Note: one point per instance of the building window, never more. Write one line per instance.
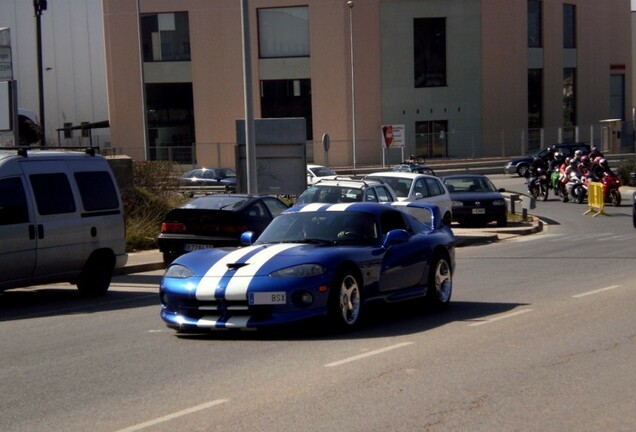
(287, 98)
(429, 45)
(617, 96)
(431, 138)
(569, 26)
(534, 24)
(535, 107)
(165, 37)
(283, 32)
(170, 121)
(569, 104)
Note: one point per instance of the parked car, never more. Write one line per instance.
(215, 221)
(346, 189)
(313, 262)
(409, 186)
(61, 219)
(415, 168)
(209, 177)
(634, 209)
(318, 172)
(521, 165)
(476, 200)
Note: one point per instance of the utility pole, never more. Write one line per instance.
(40, 6)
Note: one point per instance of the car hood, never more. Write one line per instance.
(259, 260)
(522, 159)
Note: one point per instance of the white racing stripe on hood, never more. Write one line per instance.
(237, 286)
(329, 207)
(207, 285)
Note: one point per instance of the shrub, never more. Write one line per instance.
(626, 167)
(154, 195)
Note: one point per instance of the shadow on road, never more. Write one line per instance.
(382, 321)
(62, 300)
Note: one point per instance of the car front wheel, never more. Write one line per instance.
(345, 302)
(440, 283)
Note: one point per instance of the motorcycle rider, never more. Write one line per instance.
(534, 172)
(594, 153)
(599, 169)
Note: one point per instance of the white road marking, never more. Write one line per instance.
(173, 415)
(596, 291)
(499, 317)
(368, 354)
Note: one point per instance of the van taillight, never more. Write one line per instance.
(173, 227)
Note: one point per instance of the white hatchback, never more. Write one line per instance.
(414, 186)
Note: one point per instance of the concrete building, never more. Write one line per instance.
(73, 60)
(456, 78)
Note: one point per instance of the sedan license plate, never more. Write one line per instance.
(189, 247)
(479, 211)
(267, 298)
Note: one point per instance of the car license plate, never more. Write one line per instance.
(189, 247)
(479, 211)
(267, 298)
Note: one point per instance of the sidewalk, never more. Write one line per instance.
(153, 260)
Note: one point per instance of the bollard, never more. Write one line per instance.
(513, 199)
(524, 213)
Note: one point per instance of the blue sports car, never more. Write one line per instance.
(317, 260)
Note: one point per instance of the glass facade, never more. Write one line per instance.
(429, 44)
(165, 37)
(283, 32)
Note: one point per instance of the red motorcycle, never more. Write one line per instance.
(611, 183)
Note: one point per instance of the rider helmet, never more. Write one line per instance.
(578, 154)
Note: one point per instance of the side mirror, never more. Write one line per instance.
(395, 236)
(247, 238)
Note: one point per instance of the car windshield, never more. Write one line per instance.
(401, 186)
(215, 202)
(330, 195)
(322, 171)
(469, 184)
(321, 227)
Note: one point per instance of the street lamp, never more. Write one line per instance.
(353, 84)
(40, 6)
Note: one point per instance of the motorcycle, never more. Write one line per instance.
(577, 189)
(539, 185)
(611, 184)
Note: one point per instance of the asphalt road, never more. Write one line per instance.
(541, 335)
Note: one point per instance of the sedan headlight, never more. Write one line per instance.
(499, 203)
(457, 203)
(178, 271)
(302, 270)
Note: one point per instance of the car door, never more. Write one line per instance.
(58, 225)
(403, 264)
(17, 231)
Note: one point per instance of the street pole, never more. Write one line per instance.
(353, 85)
(40, 6)
(250, 145)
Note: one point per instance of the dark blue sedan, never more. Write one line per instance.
(318, 260)
(475, 200)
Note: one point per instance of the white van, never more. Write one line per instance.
(61, 219)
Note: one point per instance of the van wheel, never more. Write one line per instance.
(96, 275)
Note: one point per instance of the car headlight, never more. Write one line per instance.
(457, 203)
(178, 271)
(499, 203)
(302, 270)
